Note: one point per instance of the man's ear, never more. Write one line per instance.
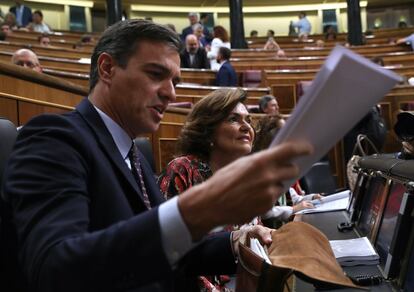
(106, 66)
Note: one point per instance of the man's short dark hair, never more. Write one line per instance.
(264, 100)
(121, 40)
(39, 13)
(225, 53)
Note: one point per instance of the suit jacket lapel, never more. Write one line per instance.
(104, 138)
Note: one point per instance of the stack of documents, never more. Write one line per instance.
(354, 252)
(334, 202)
(343, 91)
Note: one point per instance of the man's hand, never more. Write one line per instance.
(242, 190)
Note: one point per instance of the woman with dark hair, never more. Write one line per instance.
(217, 131)
(221, 39)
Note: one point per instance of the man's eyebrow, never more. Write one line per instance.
(164, 70)
(248, 115)
(157, 66)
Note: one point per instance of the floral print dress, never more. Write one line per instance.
(182, 173)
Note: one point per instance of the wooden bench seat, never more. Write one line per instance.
(28, 83)
(199, 90)
(61, 63)
(44, 51)
(367, 50)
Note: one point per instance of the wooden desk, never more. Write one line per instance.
(326, 223)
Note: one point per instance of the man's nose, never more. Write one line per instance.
(168, 91)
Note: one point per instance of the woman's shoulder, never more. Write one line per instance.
(184, 162)
(184, 159)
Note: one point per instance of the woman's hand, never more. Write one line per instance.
(303, 205)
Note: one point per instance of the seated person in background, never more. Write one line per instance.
(320, 44)
(330, 34)
(266, 129)
(271, 44)
(198, 32)
(371, 125)
(10, 19)
(26, 58)
(280, 54)
(402, 24)
(226, 76)
(217, 131)
(270, 33)
(404, 129)
(38, 25)
(254, 34)
(409, 39)
(378, 60)
(85, 39)
(44, 40)
(193, 56)
(5, 29)
(268, 105)
(86, 210)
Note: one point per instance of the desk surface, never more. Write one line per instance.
(326, 223)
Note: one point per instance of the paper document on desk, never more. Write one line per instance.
(343, 91)
(354, 252)
(334, 202)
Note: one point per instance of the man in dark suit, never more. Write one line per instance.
(86, 209)
(193, 18)
(226, 76)
(193, 56)
(22, 12)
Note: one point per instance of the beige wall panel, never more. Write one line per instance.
(180, 20)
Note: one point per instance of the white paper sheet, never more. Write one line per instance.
(343, 91)
(353, 252)
(258, 249)
(333, 202)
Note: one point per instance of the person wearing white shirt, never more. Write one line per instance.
(221, 39)
(38, 25)
(303, 25)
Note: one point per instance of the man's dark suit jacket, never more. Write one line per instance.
(189, 30)
(80, 220)
(27, 14)
(200, 60)
(226, 76)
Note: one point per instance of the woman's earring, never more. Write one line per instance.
(211, 144)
